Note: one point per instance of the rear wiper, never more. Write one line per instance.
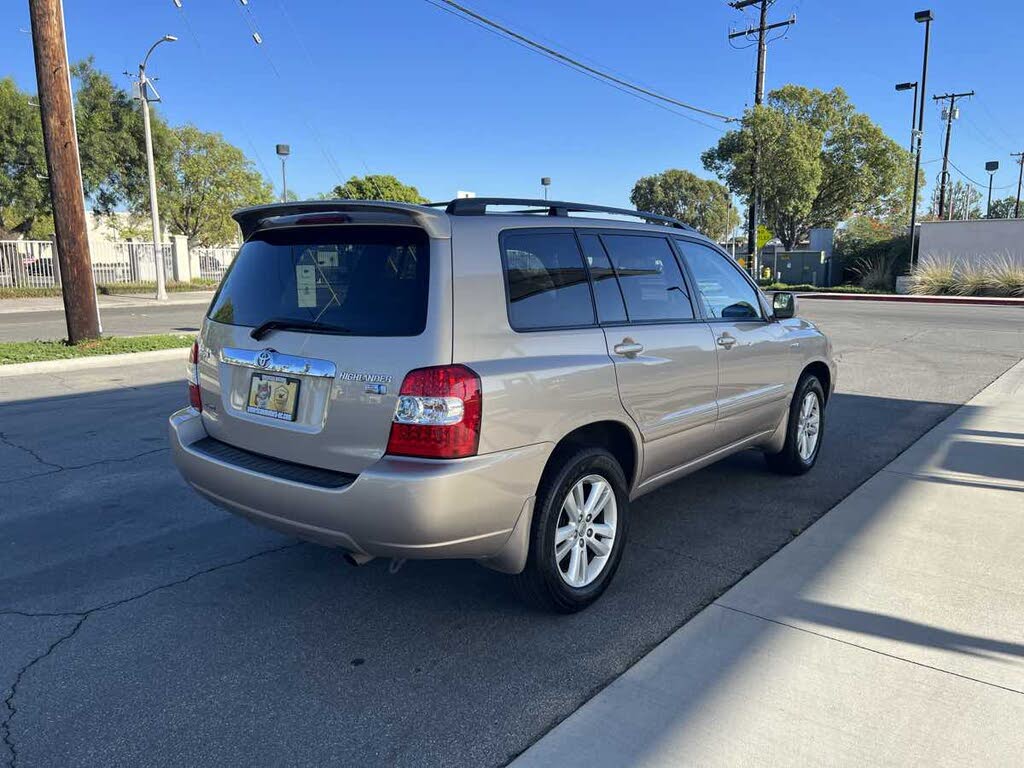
(290, 324)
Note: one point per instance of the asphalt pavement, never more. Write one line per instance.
(140, 624)
(31, 319)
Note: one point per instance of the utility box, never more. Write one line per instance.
(799, 267)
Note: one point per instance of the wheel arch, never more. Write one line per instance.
(614, 436)
(820, 370)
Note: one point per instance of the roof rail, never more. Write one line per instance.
(477, 206)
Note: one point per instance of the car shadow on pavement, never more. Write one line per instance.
(209, 637)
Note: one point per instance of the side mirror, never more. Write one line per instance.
(783, 305)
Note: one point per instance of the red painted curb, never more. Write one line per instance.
(990, 301)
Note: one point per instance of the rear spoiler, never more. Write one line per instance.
(251, 219)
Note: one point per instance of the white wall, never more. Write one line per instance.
(972, 241)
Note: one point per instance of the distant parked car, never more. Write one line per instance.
(407, 381)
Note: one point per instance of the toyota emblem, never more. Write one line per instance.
(263, 358)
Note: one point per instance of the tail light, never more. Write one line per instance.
(438, 414)
(195, 398)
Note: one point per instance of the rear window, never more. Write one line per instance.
(369, 281)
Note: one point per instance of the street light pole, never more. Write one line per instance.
(154, 210)
(991, 166)
(1020, 181)
(283, 150)
(913, 113)
(921, 17)
(545, 182)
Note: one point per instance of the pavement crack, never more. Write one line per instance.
(9, 705)
(9, 700)
(61, 468)
(10, 443)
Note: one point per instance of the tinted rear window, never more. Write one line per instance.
(371, 281)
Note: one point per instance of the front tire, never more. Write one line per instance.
(803, 431)
(578, 531)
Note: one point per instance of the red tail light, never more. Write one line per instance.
(438, 414)
(195, 398)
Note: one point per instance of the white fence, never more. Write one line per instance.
(31, 263)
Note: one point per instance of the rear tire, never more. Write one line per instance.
(803, 430)
(573, 557)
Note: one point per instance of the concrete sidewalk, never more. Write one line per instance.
(56, 303)
(890, 633)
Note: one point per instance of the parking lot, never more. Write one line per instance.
(139, 624)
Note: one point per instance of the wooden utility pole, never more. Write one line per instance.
(762, 29)
(61, 142)
(951, 115)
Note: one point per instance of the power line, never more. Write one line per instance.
(978, 184)
(626, 91)
(468, 14)
(247, 14)
(309, 58)
(241, 124)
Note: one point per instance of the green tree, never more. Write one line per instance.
(111, 142)
(377, 187)
(1003, 209)
(24, 188)
(820, 161)
(962, 201)
(209, 179)
(701, 203)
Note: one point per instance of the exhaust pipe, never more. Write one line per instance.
(355, 559)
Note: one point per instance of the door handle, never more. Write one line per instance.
(727, 341)
(628, 348)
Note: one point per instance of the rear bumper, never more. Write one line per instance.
(398, 507)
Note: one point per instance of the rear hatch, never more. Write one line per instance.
(311, 333)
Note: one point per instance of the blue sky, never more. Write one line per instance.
(398, 86)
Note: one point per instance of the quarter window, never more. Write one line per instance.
(725, 292)
(652, 284)
(547, 282)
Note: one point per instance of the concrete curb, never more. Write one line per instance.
(991, 301)
(95, 361)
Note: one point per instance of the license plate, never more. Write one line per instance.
(276, 397)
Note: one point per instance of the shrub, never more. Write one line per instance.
(873, 264)
(971, 279)
(932, 277)
(1006, 277)
(808, 288)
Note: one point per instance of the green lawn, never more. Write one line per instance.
(33, 351)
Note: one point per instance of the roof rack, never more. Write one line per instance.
(477, 206)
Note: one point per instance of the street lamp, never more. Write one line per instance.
(913, 113)
(921, 17)
(154, 211)
(545, 182)
(991, 166)
(283, 150)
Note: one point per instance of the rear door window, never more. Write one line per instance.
(547, 282)
(355, 280)
(610, 307)
(652, 283)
